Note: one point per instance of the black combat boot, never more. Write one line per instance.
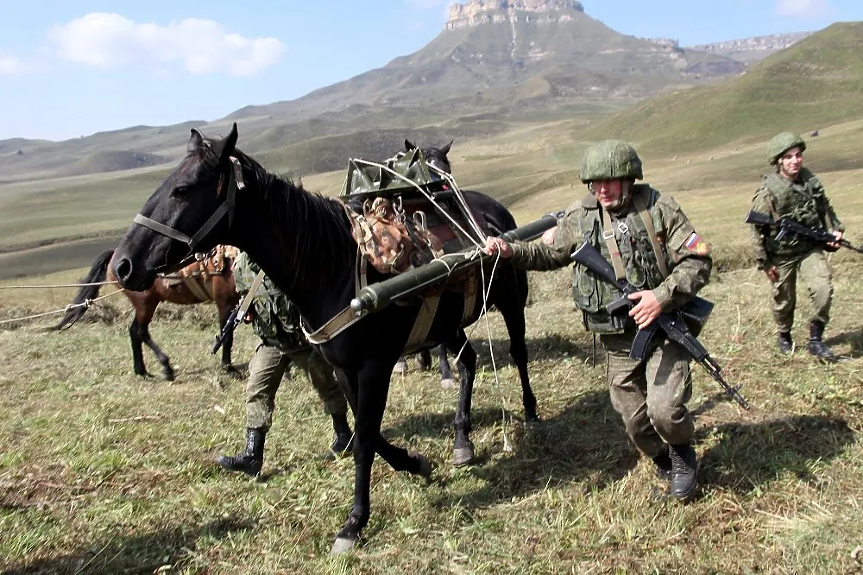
(663, 465)
(249, 461)
(783, 340)
(343, 437)
(816, 346)
(684, 471)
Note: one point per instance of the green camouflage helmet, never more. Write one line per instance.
(781, 143)
(610, 160)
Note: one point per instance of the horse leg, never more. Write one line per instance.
(515, 326)
(228, 344)
(446, 379)
(137, 349)
(424, 360)
(463, 451)
(368, 400)
(167, 370)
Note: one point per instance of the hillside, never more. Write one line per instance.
(812, 84)
(511, 60)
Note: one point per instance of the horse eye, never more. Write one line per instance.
(181, 190)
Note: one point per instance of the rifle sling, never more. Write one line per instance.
(247, 300)
(613, 248)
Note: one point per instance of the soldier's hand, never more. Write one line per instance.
(772, 274)
(501, 246)
(646, 310)
(836, 245)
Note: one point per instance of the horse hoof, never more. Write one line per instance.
(462, 456)
(169, 375)
(447, 383)
(425, 464)
(342, 545)
(401, 366)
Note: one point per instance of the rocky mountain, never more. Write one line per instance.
(494, 61)
(751, 50)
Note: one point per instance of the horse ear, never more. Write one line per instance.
(446, 148)
(409, 145)
(226, 146)
(299, 184)
(196, 141)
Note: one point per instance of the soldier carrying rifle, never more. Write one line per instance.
(652, 245)
(795, 193)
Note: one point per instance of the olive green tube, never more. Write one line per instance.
(377, 296)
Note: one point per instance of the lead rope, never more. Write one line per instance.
(507, 447)
(86, 303)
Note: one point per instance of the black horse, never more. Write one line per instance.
(303, 242)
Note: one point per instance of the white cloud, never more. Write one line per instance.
(801, 8)
(202, 46)
(10, 66)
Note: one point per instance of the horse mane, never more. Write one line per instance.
(318, 227)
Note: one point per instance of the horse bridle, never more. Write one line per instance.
(235, 182)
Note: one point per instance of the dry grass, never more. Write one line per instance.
(103, 472)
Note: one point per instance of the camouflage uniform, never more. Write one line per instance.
(276, 321)
(650, 395)
(804, 201)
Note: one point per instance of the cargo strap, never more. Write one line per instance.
(640, 204)
(199, 286)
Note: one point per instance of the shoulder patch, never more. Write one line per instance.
(696, 245)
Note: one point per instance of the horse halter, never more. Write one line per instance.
(227, 207)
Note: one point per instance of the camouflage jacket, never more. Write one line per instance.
(687, 256)
(274, 318)
(802, 200)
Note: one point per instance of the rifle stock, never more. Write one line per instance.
(671, 323)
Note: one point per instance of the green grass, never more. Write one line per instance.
(814, 83)
(104, 472)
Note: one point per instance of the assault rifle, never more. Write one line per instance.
(672, 323)
(238, 313)
(789, 226)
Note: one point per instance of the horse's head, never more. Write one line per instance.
(190, 211)
(436, 157)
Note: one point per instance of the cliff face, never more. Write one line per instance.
(477, 12)
(752, 49)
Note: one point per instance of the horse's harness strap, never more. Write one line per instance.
(339, 323)
(471, 285)
(235, 182)
(423, 322)
(199, 287)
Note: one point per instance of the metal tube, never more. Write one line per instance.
(377, 296)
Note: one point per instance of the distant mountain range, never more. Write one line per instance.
(495, 63)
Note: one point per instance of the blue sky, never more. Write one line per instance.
(73, 68)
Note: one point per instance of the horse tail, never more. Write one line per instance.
(96, 275)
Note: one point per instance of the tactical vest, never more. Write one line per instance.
(590, 294)
(276, 320)
(802, 201)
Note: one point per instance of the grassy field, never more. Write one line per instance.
(101, 471)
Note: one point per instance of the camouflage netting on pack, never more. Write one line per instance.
(781, 143)
(610, 160)
(366, 178)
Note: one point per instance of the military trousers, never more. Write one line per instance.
(650, 395)
(814, 273)
(265, 375)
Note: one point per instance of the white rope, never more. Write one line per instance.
(431, 199)
(86, 303)
(57, 285)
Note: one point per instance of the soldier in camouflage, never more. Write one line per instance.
(651, 394)
(794, 192)
(276, 321)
